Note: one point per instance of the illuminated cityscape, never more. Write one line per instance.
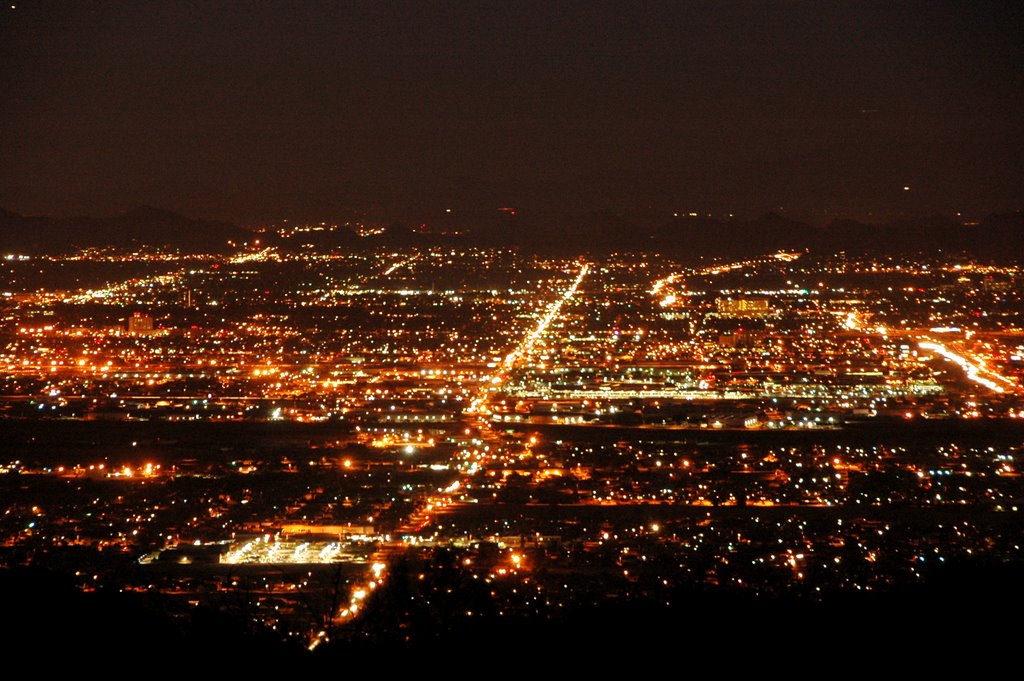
(272, 433)
(465, 338)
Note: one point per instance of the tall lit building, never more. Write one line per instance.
(743, 307)
(140, 324)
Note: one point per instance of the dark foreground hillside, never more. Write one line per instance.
(961, 616)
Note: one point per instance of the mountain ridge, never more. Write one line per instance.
(998, 235)
(141, 226)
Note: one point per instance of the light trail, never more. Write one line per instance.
(973, 367)
(399, 265)
(479, 404)
(662, 283)
(665, 284)
(361, 588)
(268, 253)
(115, 291)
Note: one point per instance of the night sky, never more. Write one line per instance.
(254, 112)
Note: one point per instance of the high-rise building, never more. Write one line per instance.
(743, 307)
(140, 324)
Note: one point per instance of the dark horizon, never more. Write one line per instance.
(481, 220)
(256, 113)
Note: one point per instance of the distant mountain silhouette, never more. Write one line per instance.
(142, 226)
(398, 235)
(998, 236)
(708, 236)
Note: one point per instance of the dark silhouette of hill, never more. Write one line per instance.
(998, 236)
(46, 616)
(931, 233)
(969, 603)
(600, 231)
(708, 236)
(446, 609)
(397, 235)
(1002, 233)
(143, 226)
